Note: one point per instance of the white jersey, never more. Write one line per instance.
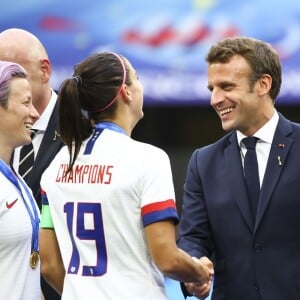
(117, 187)
(18, 280)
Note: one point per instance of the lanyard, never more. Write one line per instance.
(32, 212)
(111, 126)
(99, 127)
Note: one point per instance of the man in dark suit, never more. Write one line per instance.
(22, 47)
(256, 250)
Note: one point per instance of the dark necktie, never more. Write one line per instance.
(251, 173)
(26, 159)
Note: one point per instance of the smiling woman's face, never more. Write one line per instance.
(18, 117)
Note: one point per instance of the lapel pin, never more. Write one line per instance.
(56, 135)
(281, 145)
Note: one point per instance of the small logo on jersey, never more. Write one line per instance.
(11, 204)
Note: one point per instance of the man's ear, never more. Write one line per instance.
(264, 84)
(46, 69)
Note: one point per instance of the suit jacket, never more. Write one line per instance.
(49, 147)
(253, 259)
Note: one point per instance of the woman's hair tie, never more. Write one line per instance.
(78, 80)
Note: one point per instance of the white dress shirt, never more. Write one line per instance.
(265, 135)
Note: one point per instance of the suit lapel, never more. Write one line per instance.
(279, 150)
(50, 145)
(236, 179)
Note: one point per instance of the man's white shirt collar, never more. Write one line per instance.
(265, 133)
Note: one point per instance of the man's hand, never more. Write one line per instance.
(201, 291)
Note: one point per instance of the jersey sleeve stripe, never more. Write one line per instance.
(157, 206)
(157, 216)
(159, 211)
(44, 197)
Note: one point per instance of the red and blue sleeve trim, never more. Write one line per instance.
(44, 198)
(159, 211)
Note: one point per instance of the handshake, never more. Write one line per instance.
(201, 288)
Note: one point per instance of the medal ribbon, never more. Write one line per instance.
(111, 126)
(33, 213)
(99, 127)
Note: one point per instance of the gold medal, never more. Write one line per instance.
(34, 259)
